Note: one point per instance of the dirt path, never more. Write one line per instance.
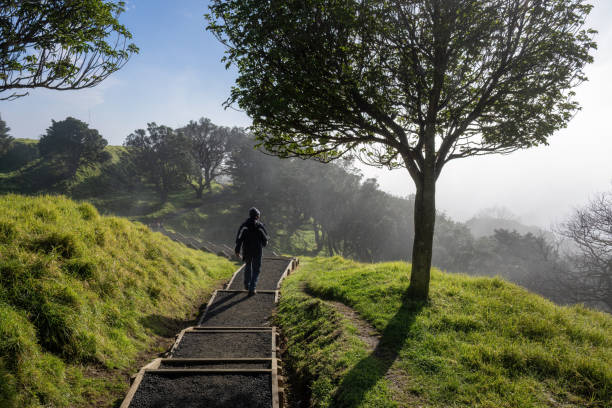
(365, 331)
(397, 378)
(228, 359)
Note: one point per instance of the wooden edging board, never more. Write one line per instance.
(234, 276)
(287, 271)
(134, 387)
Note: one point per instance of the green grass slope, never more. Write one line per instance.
(479, 342)
(82, 295)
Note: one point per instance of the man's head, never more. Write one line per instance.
(254, 213)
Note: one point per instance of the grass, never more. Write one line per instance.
(479, 342)
(82, 296)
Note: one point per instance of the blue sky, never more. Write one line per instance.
(178, 76)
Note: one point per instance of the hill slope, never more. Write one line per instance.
(479, 342)
(82, 295)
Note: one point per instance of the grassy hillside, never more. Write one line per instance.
(479, 342)
(82, 295)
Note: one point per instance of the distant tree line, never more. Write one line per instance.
(328, 209)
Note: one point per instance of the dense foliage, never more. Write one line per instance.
(208, 146)
(6, 140)
(73, 141)
(160, 155)
(60, 44)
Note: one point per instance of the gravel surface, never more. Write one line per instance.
(204, 391)
(271, 272)
(237, 309)
(219, 345)
(226, 365)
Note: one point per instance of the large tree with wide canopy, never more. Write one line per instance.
(405, 83)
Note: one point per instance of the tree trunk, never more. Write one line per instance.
(424, 222)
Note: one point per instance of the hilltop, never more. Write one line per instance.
(354, 340)
(82, 296)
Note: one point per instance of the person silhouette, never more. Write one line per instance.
(251, 238)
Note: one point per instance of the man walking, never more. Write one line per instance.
(252, 237)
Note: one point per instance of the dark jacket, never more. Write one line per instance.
(252, 237)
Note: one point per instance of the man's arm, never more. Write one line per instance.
(239, 240)
(264, 235)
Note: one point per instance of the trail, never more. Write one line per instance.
(229, 359)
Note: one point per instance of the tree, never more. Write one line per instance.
(405, 83)
(590, 273)
(209, 148)
(161, 157)
(60, 44)
(5, 139)
(73, 141)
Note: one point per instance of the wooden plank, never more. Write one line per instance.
(234, 276)
(245, 291)
(132, 391)
(231, 328)
(177, 371)
(285, 273)
(275, 395)
(216, 360)
(178, 340)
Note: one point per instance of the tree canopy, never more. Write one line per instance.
(60, 44)
(208, 147)
(74, 142)
(405, 83)
(161, 156)
(5, 139)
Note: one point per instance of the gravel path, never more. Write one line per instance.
(223, 345)
(232, 308)
(238, 309)
(204, 391)
(271, 272)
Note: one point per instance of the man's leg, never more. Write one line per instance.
(247, 272)
(255, 269)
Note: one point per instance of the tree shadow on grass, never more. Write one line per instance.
(364, 376)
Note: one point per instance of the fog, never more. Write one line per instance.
(178, 77)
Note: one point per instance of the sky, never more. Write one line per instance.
(178, 77)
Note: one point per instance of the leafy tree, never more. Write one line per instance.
(209, 148)
(160, 157)
(74, 142)
(60, 44)
(405, 83)
(5, 139)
